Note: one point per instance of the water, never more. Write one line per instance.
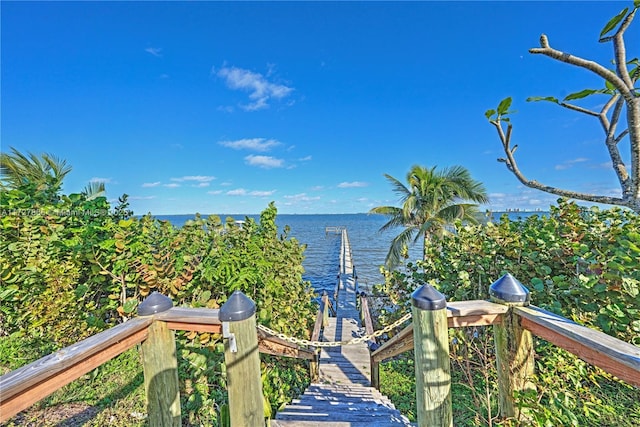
(369, 247)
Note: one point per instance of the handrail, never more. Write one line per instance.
(514, 323)
(459, 314)
(27, 385)
(320, 317)
(365, 315)
(597, 348)
(608, 353)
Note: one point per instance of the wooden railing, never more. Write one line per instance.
(27, 385)
(322, 320)
(514, 322)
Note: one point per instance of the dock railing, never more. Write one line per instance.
(514, 323)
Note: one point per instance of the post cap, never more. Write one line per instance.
(510, 290)
(238, 307)
(426, 297)
(154, 303)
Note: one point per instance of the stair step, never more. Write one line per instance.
(371, 423)
(343, 396)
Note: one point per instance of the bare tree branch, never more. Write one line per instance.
(611, 142)
(579, 109)
(592, 66)
(513, 167)
(625, 99)
(620, 50)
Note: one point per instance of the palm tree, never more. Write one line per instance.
(94, 189)
(431, 201)
(43, 173)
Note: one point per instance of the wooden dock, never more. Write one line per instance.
(343, 395)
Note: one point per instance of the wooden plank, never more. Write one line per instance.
(317, 327)
(25, 386)
(17, 381)
(195, 327)
(459, 314)
(366, 316)
(187, 315)
(612, 355)
(278, 347)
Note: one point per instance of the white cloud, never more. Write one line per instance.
(605, 165)
(261, 91)
(142, 197)
(255, 144)
(151, 184)
(305, 159)
(103, 180)
(243, 192)
(155, 51)
(302, 197)
(201, 184)
(262, 193)
(196, 178)
(214, 192)
(266, 162)
(172, 185)
(569, 163)
(354, 184)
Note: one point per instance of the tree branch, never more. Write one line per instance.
(620, 50)
(592, 66)
(579, 109)
(612, 143)
(513, 167)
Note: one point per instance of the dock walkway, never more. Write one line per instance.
(342, 396)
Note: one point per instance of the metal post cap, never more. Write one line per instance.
(426, 297)
(154, 303)
(238, 307)
(510, 290)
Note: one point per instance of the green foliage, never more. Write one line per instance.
(71, 266)
(581, 263)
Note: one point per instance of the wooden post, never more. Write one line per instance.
(325, 308)
(242, 359)
(375, 373)
(431, 348)
(514, 346)
(160, 366)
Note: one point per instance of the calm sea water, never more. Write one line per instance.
(368, 245)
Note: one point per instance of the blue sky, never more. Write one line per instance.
(222, 107)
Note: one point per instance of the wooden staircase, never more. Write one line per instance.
(333, 405)
(342, 396)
